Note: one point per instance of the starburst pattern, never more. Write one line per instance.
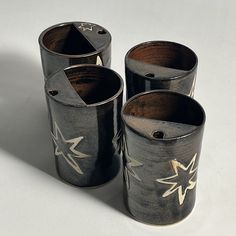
(99, 61)
(118, 141)
(86, 26)
(191, 93)
(182, 181)
(66, 148)
(130, 163)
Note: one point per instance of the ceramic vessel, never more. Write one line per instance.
(84, 103)
(162, 136)
(73, 43)
(160, 65)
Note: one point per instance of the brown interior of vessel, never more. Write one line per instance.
(93, 84)
(165, 54)
(66, 39)
(166, 107)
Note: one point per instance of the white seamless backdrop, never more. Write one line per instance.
(33, 201)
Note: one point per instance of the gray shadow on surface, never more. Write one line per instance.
(24, 126)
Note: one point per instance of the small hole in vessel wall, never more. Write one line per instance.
(53, 92)
(158, 134)
(150, 75)
(102, 31)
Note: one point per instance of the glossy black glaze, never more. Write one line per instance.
(73, 43)
(160, 65)
(84, 103)
(162, 136)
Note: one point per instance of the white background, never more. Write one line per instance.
(33, 201)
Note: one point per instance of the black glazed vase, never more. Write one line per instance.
(162, 136)
(84, 103)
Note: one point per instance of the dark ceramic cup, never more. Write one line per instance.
(73, 43)
(160, 65)
(162, 136)
(84, 104)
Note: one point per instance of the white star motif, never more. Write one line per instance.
(118, 141)
(86, 26)
(175, 180)
(99, 61)
(67, 152)
(191, 93)
(130, 163)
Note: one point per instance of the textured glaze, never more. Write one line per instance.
(84, 104)
(162, 136)
(73, 43)
(160, 65)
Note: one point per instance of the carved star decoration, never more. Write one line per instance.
(118, 141)
(130, 163)
(66, 148)
(182, 181)
(99, 61)
(191, 93)
(86, 26)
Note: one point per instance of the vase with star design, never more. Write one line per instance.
(162, 136)
(160, 65)
(73, 43)
(84, 104)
